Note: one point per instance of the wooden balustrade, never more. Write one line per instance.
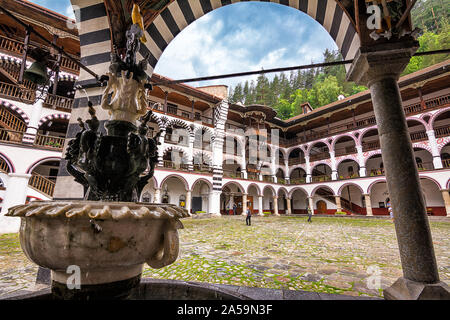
(321, 178)
(367, 146)
(344, 151)
(42, 184)
(11, 136)
(49, 142)
(446, 163)
(319, 156)
(443, 131)
(418, 136)
(3, 166)
(10, 121)
(297, 181)
(59, 102)
(423, 166)
(16, 47)
(295, 161)
(14, 92)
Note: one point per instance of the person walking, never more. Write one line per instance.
(309, 214)
(248, 220)
(234, 209)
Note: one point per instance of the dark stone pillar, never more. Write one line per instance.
(379, 69)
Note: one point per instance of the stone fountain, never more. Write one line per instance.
(96, 248)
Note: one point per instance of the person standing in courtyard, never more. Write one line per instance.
(248, 220)
(309, 214)
(389, 207)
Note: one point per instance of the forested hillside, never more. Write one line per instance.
(287, 91)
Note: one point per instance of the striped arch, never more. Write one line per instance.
(437, 114)
(424, 145)
(282, 168)
(349, 184)
(207, 129)
(8, 162)
(256, 186)
(40, 161)
(207, 156)
(370, 155)
(282, 189)
(442, 142)
(322, 186)
(448, 184)
(15, 108)
(362, 133)
(180, 13)
(270, 188)
(369, 188)
(423, 122)
(312, 144)
(301, 147)
(237, 184)
(431, 179)
(186, 184)
(53, 117)
(159, 120)
(318, 163)
(343, 158)
(202, 180)
(333, 143)
(176, 148)
(301, 166)
(291, 193)
(181, 123)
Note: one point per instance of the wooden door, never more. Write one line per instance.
(250, 203)
(321, 207)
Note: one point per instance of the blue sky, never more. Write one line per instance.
(235, 38)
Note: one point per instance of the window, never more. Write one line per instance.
(172, 108)
(185, 115)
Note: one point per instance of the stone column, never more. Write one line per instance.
(16, 194)
(362, 163)
(379, 68)
(189, 201)
(244, 204)
(437, 161)
(289, 206)
(338, 203)
(311, 204)
(308, 170)
(334, 173)
(446, 196)
(260, 206)
(32, 128)
(157, 195)
(161, 147)
(368, 205)
(214, 203)
(275, 206)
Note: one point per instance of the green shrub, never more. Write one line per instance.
(200, 212)
(340, 213)
(267, 213)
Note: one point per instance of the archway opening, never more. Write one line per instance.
(173, 191)
(231, 199)
(352, 200)
(200, 197)
(348, 169)
(370, 140)
(321, 172)
(344, 145)
(299, 201)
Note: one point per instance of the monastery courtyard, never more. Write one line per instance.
(330, 255)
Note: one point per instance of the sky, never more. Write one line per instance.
(240, 37)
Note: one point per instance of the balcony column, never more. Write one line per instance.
(334, 173)
(379, 69)
(446, 196)
(289, 206)
(362, 163)
(189, 201)
(260, 205)
(437, 161)
(243, 164)
(157, 195)
(161, 148)
(286, 169)
(368, 205)
(308, 170)
(190, 152)
(15, 194)
(244, 204)
(275, 206)
(338, 203)
(311, 204)
(32, 128)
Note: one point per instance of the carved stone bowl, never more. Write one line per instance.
(108, 241)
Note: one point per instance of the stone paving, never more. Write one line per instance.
(329, 255)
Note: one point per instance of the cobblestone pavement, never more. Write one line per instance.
(331, 255)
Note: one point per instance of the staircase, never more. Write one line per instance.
(10, 121)
(11, 71)
(42, 184)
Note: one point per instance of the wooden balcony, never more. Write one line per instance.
(443, 131)
(55, 143)
(321, 178)
(11, 136)
(367, 146)
(10, 121)
(15, 47)
(446, 163)
(17, 93)
(42, 184)
(58, 102)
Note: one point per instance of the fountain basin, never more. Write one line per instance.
(107, 243)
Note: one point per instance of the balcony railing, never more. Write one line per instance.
(446, 163)
(367, 146)
(186, 115)
(59, 102)
(202, 168)
(321, 178)
(11, 136)
(50, 142)
(319, 156)
(232, 174)
(171, 165)
(418, 136)
(349, 176)
(443, 131)
(295, 161)
(16, 47)
(10, 121)
(423, 166)
(42, 184)
(11, 91)
(344, 151)
(176, 139)
(297, 181)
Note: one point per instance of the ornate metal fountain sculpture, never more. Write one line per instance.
(109, 235)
